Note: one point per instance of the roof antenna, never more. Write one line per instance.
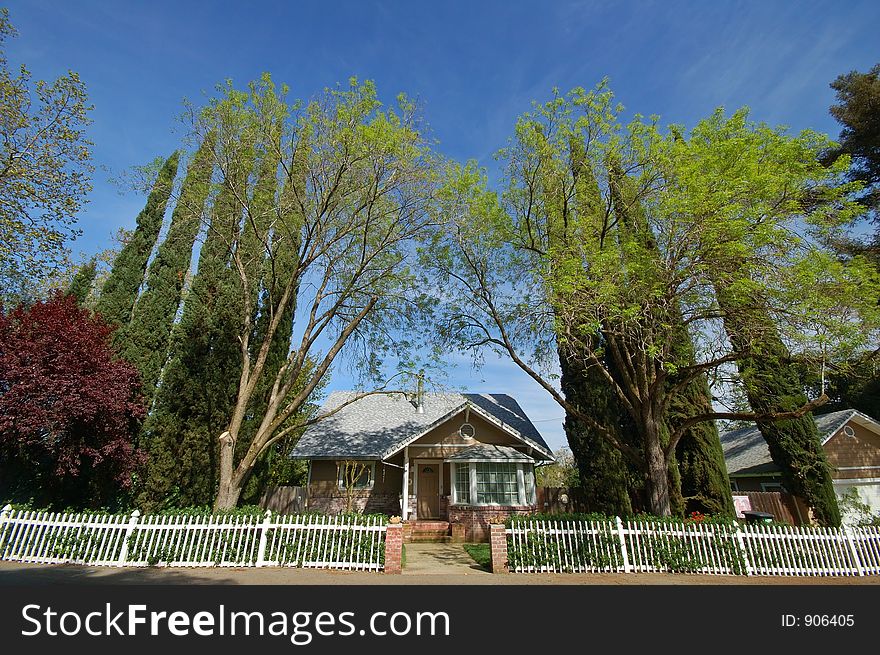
(420, 394)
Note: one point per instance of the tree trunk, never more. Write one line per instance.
(657, 472)
(230, 488)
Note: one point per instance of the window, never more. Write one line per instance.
(497, 484)
(361, 473)
(772, 486)
(493, 483)
(462, 484)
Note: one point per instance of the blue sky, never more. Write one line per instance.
(475, 66)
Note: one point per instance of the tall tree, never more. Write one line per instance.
(45, 169)
(81, 284)
(193, 400)
(607, 480)
(68, 410)
(120, 291)
(367, 181)
(858, 99)
(145, 340)
(635, 289)
(855, 384)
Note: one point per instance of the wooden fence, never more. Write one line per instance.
(312, 541)
(637, 546)
(781, 505)
(284, 500)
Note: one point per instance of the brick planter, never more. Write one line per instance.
(498, 548)
(476, 518)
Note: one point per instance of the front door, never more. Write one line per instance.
(429, 491)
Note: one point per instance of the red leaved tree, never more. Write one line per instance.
(68, 408)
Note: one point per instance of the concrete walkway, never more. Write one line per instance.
(440, 559)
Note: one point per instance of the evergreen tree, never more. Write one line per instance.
(81, 284)
(858, 99)
(120, 291)
(198, 384)
(705, 485)
(606, 479)
(144, 341)
(773, 384)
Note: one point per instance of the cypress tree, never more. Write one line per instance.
(606, 478)
(127, 275)
(772, 384)
(81, 284)
(705, 485)
(199, 381)
(145, 339)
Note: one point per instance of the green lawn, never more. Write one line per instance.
(480, 554)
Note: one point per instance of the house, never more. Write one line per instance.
(440, 457)
(852, 445)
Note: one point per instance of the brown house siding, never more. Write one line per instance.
(846, 452)
(850, 458)
(384, 498)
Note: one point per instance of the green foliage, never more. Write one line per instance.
(341, 546)
(858, 512)
(120, 291)
(81, 284)
(562, 473)
(858, 95)
(145, 340)
(194, 401)
(46, 170)
(590, 542)
(604, 474)
(705, 485)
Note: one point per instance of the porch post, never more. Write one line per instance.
(404, 504)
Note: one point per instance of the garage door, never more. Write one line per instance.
(869, 493)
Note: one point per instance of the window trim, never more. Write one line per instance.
(340, 484)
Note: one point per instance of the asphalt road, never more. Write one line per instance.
(14, 573)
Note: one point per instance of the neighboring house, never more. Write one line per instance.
(466, 458)
(852, 445)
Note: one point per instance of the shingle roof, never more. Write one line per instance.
(490, 452)
(745, 450)
(377, 426)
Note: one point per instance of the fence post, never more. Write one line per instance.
(4, 517)
(626, 567)
(853, 550)
(129, 532)
(264, 539)
(740, 542)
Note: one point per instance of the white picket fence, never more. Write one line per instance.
(637, 546)
(311, 541)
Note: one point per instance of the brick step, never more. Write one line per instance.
(429, 538)
(430, 526)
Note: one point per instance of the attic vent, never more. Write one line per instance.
(467, 431)
(848, 431)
